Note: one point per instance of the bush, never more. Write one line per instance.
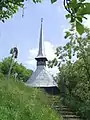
(1, 76)
(22, 72)
(82, 108)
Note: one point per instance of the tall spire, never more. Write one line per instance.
(41, 58)
(41, 52)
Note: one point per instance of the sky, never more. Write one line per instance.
(23, 32)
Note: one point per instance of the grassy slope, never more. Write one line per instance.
(18, 102)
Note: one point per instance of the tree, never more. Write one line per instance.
(8, 8)
(77, 9)
(22, 72)
(74, 76)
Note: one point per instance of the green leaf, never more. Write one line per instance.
(36, 1)
(72, 19)
(69, 53)
(53, 1)
(39, 1)
(79, 18)
(81, 0)
(68, 16)
(85, 9)
(67, 34)
(79, 28)
(73, 3)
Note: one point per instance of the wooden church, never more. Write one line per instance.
(41, 77)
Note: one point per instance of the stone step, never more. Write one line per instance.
(62, 109)
(72, 119)
(67, 113)
(70, 116)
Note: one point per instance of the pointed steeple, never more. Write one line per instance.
(41, 51)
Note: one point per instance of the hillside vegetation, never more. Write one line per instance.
(73, 62)
(18, 102)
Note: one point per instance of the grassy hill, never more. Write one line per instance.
(18, 102)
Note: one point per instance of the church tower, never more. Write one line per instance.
(41, 58)
(41, 77)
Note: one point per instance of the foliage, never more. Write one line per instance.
(22, 72)
(77, 10)
(2, 75)
(8, 8)
(76, 47)
(18, 102)
(74, 76)
(76, 87)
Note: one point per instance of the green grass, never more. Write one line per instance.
(18, 102)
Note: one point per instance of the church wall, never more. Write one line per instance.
(51, 90)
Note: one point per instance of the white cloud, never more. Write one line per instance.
(53, 71)
(49, 51)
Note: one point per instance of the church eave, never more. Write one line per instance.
(41, 57)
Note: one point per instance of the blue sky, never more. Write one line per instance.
(24, 32)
